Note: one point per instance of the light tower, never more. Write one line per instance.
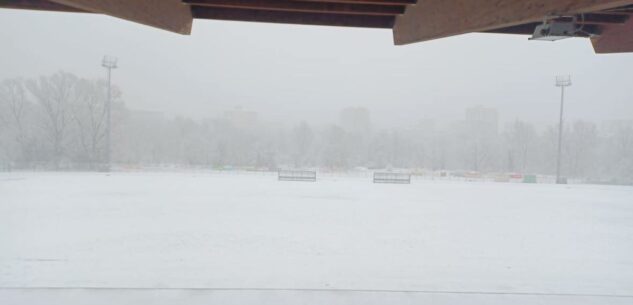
(109, 63)
(562, 82)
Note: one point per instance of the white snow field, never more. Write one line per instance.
(96, 238)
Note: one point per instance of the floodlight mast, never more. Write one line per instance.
(562, 82)
(109, 63)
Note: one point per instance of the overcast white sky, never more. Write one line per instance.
(289, 72)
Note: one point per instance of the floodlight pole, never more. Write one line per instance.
(109, 63)
(562, 82)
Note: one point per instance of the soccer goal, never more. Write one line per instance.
(397, 178)
(296, 175)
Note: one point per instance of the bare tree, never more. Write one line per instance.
(15, 107)
(520, 138)
(439, 152)
(621, 148)
(335, 152)
(89, 115)
(55, 94)
(302, 137)
(581, 145)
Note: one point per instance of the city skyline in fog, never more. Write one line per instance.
(277, 71)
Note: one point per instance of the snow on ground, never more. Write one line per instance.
(197, 230)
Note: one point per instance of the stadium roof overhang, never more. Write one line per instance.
(606, 22)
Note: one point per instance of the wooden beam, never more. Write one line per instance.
(615, 39)
(528, 29)
(304, 6)
(623, 9)
(432, 19)
(378, 2)
(599, 18)
(39, 5)
(170, 15)
(293, 17)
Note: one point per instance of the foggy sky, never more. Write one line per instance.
(290, 73)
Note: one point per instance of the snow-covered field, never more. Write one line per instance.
(259, 239)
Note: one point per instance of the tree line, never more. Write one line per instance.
(57, 122)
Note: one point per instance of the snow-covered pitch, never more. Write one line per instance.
(257, 240)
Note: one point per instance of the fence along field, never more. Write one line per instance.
(296, 175)
(395, 178)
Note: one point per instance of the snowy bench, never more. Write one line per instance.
(398, 178)
(295, 175)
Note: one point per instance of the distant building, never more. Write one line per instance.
(482, 120)
(243, 119)
(355, 119)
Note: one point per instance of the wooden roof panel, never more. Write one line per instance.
(430, 19)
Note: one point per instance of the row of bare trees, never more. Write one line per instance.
(58, 122)
(600, 153)
(54, 121)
